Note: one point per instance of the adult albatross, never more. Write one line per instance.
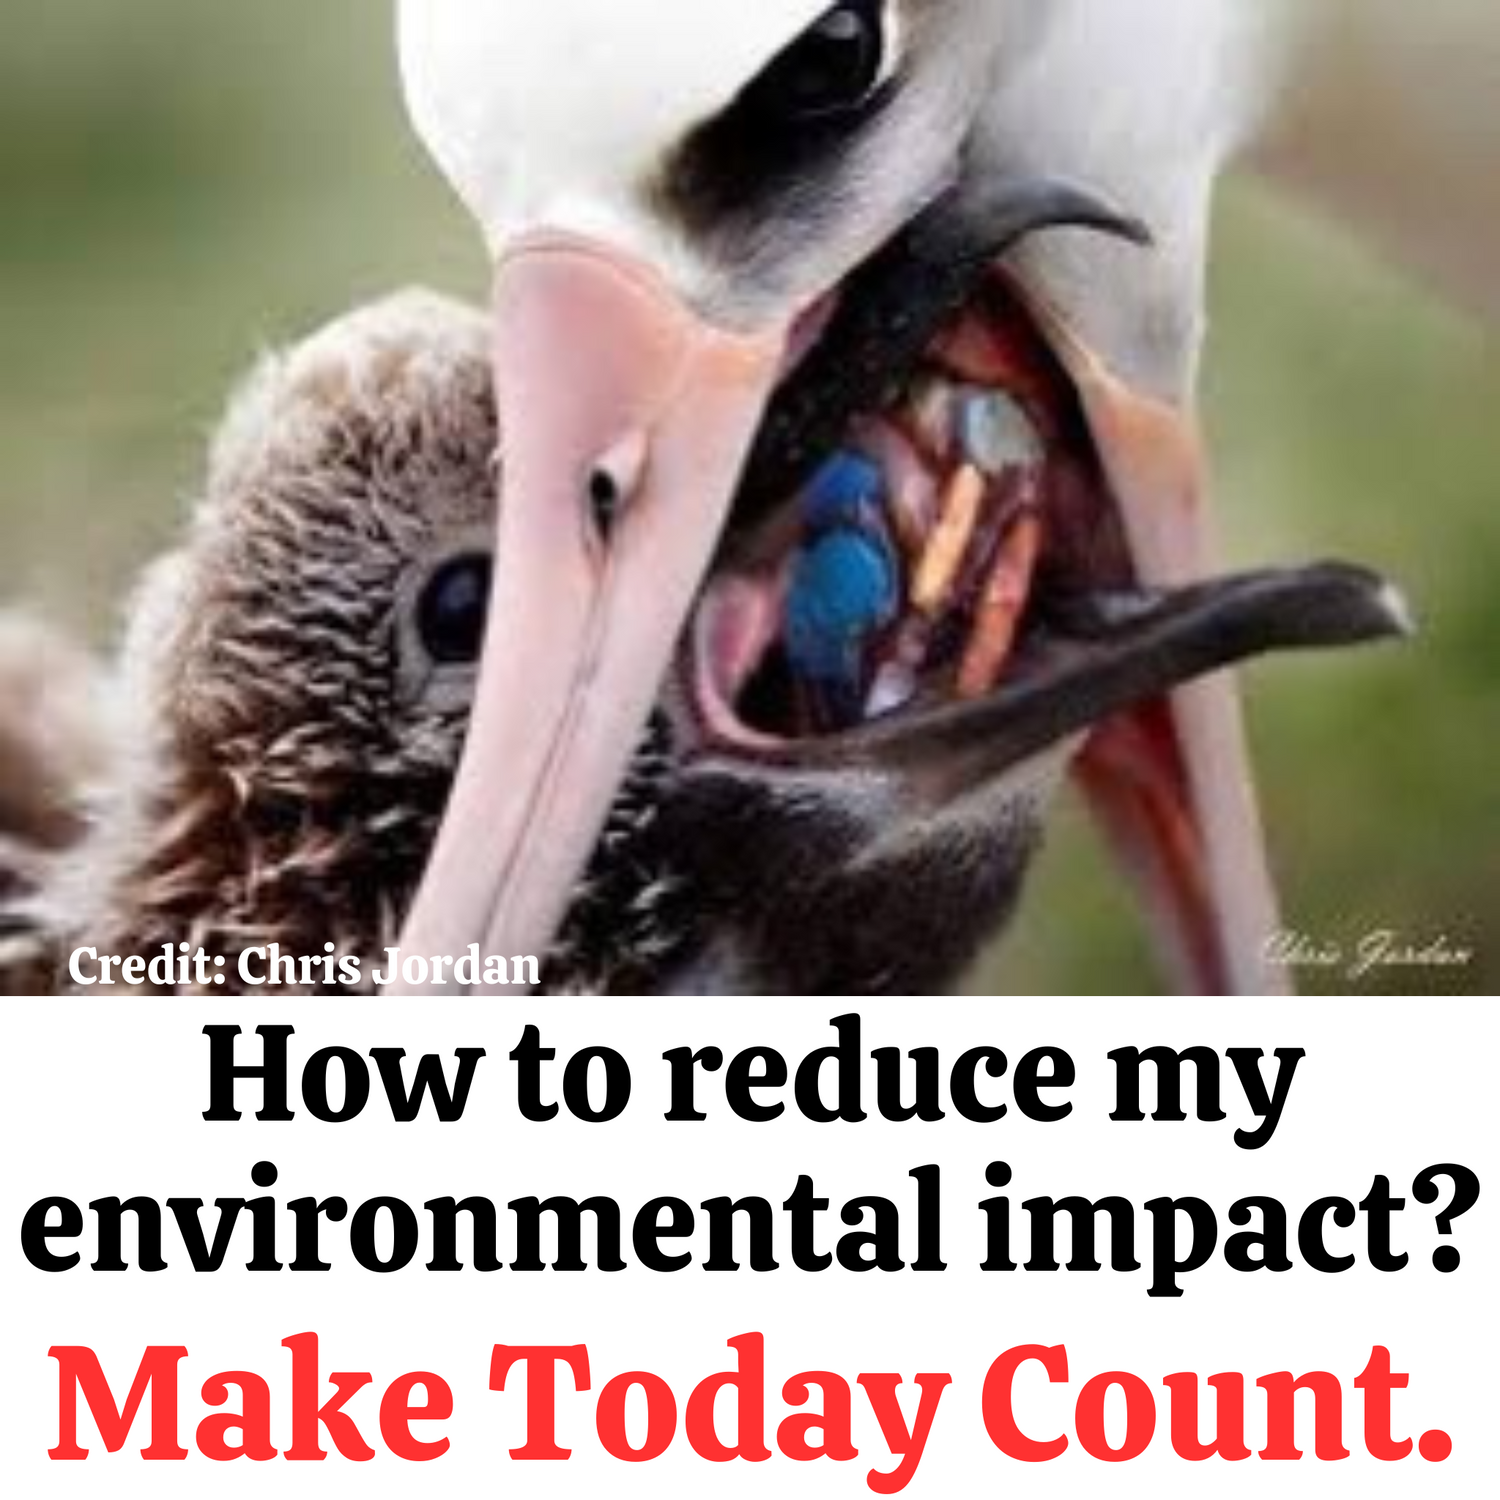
(823, 547)
(727, 238)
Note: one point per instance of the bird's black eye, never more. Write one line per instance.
(834, 67)
(452, 609)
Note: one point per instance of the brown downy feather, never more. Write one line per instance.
(279, 779)
(52, 749)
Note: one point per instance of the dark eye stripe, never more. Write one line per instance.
(772, 152)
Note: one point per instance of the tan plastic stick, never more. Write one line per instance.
(943, 560)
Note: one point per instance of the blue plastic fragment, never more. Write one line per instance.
(846, 584)
(995, 433)
(848, 490)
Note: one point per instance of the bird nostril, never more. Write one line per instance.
(613, 481)
(605, 501)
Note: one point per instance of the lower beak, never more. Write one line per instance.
(1172, 783)
(625, 421)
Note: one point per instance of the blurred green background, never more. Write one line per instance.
(184, 182)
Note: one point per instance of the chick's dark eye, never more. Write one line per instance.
(452, 609)
(832, 68)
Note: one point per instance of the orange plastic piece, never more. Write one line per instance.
(1001, 605)
(943, 559)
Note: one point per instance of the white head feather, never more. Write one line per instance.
(555, 112)
(561, 113)
(551, 111)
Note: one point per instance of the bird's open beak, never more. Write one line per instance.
(1172, 784)
(625, 421)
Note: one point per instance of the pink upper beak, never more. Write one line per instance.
(625, 421)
